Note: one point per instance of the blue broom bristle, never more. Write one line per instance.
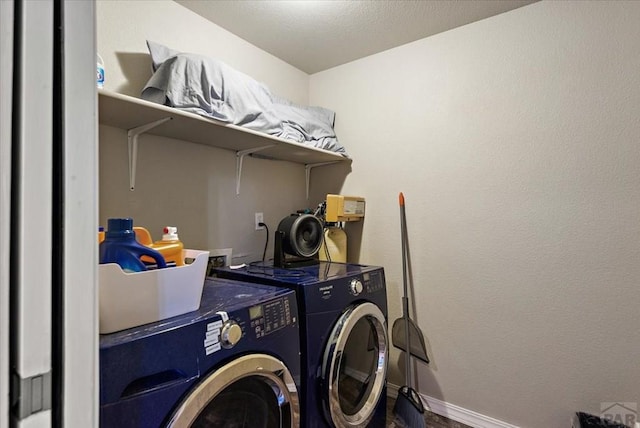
(410, 413)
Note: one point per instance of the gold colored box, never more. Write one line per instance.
(344, 208)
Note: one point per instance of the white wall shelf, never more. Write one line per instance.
(138, 116)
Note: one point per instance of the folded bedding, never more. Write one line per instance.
(208, 87)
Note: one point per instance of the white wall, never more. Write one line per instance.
(516, 143)
(184, 184)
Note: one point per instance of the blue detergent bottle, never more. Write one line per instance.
(120, 246)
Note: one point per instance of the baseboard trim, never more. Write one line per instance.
(453, 412)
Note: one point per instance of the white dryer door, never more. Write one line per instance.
(354, 366)
(249, 392)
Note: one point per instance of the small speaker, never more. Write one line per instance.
(297, 241)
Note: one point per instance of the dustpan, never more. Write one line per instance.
(416, 341)
(399, 336)
(408, 406)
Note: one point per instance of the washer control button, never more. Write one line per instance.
(230, 334)
(355, 287)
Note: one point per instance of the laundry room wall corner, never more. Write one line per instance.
(514, 140)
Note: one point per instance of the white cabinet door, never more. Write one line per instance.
(31, 210)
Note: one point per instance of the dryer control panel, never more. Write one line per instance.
(373, 281)
(242, 326)
(271, 316)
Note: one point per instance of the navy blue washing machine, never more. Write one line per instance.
(234, 362)
(344, 342)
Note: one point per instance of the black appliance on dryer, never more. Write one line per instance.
(344, 342)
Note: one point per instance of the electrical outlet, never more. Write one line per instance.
(259, 219)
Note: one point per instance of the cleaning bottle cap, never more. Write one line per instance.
(119, 228)
(170, 233)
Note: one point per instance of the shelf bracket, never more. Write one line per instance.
(132, 136)
(307, 172)
(240, 154)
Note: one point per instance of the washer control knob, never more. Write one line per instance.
(230, 334)
(355, 287)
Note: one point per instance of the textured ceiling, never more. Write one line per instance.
(316, 35)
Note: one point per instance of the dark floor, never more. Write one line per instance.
(351, 390)
(431, 419)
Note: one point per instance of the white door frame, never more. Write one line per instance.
(26, 245)
(6, 69)
(81, 374)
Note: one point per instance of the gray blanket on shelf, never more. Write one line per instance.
(208, 87)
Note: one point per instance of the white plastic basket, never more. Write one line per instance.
(132, 299)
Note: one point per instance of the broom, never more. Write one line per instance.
(408, 407)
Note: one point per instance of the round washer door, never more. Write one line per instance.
(354, 366)
(251, 391)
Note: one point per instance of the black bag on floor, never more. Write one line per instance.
(585, 420)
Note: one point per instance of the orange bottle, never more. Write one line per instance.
(170, 246)
(143, 236)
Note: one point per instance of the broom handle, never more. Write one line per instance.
(405, 297)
